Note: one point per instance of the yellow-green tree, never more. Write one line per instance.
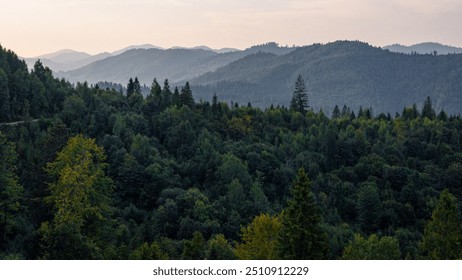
(443, 233)
(259, 239)
(219, 248)
(373, 248)
(80, 196)
(148, 252)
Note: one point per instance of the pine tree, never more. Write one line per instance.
(186, 97)
(155, 90)
(176, 97)
(153, 98)
(443, 233)
(130, 87)
(299, 100)
(427, 110)
(137, 86)
(301, 235)
(336, 112)
(166, 95)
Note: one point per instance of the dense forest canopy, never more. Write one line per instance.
(94, 173)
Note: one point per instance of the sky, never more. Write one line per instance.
(35, 27)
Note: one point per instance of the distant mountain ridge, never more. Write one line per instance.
(67, 59)
(176, 64)
(424, 48)
(342, 72)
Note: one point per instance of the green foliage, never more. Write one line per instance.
(259, 239)
(11, 195)
(181, 171)
(301, 235)
(148, 252)
(80, 195)
(442, 239)
(195, 248)
(373, 248)
(369, 208)
(218, 248)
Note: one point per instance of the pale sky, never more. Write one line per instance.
(35, 27)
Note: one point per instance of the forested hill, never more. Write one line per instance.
(110, 175)
(343, 72)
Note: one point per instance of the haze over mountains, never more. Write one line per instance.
(66, 60)
(424, 48)
(343, 72)
(176, 64)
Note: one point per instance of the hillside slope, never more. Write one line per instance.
(343, 72)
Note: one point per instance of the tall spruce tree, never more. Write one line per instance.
(166, 95)
(130, 87)
(299, 100)
(176, 97)
(137, 86)
(301, 235)
(186, 97)
(427, 110)
(443, 233)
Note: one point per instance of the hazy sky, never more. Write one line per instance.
(33, 27)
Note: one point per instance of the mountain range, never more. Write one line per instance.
(176, 64)
(424, 48)
(67, 60)
(342, 72)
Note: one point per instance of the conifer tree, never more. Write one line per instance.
(427, 110)
(176, 97)
(166, 94)
(301, 235)
(155, 89)
(299, 100)
(137, 86)
(336, 112)
(186, 97)
(130, 87)
(443, 233)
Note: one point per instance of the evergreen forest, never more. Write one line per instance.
(98, 173)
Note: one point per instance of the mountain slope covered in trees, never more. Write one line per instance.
(343, 72)
(110, 175)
